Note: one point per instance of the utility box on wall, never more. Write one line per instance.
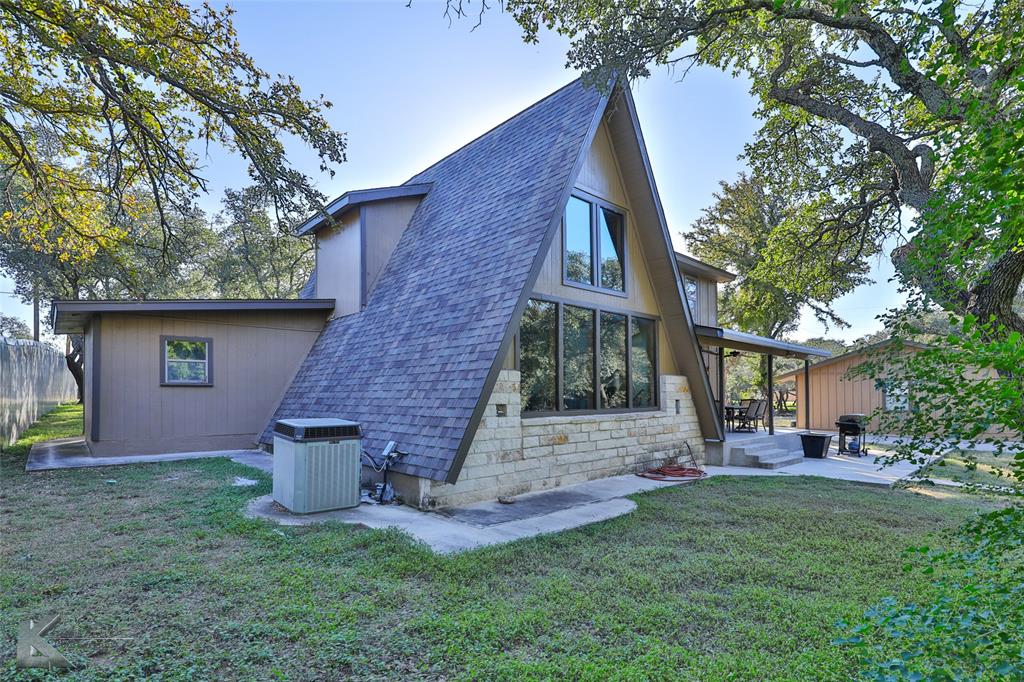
(317, 464)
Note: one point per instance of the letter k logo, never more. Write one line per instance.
(35, 652)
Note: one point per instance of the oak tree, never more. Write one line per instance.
(99, 98)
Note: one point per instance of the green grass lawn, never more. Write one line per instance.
(727, 579)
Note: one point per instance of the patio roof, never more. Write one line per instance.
(729, 338)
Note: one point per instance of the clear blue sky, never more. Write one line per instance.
(408, 89)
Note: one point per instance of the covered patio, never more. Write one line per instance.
(717, 342)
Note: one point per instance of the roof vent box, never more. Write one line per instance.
(317, 464)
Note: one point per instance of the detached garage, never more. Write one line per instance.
(188, 375)
(835, 394)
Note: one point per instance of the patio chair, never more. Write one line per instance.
(747, 420)
(731, 413)
(762, 411)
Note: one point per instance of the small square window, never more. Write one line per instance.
(185, 361)
(895, 396)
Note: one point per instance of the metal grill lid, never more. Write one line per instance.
(316, 429)
(852, 419)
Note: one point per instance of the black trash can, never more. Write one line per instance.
(816, 444)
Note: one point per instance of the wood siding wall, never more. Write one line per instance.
(339, 265)
(600, 177)
(832, 395)
(255, 355)
(383, 225)
(707, 302)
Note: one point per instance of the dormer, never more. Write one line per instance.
(700, 285)
(354, 247)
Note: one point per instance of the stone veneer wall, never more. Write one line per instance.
(512, 456)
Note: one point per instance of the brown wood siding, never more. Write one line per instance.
(384, 223)
(600, 174)
(707, 300)
(833, 394)
(602, 179)
(339, 265)
(255, 355)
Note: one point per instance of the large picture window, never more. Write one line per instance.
(644, 358)
(595, 245)
(578, 355)
(538, 356)
(578, 359)
(614, 361)
(186, 361)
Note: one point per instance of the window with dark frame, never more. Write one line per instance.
(690, 288)
(643, 355)
(614, 361)
(595, 245)
(538, 365)
(185, 361)
(578, 358)
(574, 358)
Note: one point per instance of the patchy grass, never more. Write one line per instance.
(975, 468)
(61, 422)
(727, 579)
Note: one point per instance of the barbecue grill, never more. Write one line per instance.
(853, 428)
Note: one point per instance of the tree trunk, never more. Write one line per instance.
(76, 363)
(994, 297)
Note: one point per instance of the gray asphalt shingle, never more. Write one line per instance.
(413, 364)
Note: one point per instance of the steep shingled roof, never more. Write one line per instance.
(414, 365)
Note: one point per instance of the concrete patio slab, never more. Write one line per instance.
(841, 467)
(74, 453)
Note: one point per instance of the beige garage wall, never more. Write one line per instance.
(833, 394)
(255, 355)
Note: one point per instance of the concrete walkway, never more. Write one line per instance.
(74, 453)
(457, 529)
(485, 523)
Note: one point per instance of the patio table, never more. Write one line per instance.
(730, 414)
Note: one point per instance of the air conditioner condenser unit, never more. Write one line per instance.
(317, 464)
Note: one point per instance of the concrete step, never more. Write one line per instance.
(779, 460)
(753, 456)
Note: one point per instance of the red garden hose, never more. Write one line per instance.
(674, 472)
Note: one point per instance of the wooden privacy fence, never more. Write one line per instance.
(34, 378)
